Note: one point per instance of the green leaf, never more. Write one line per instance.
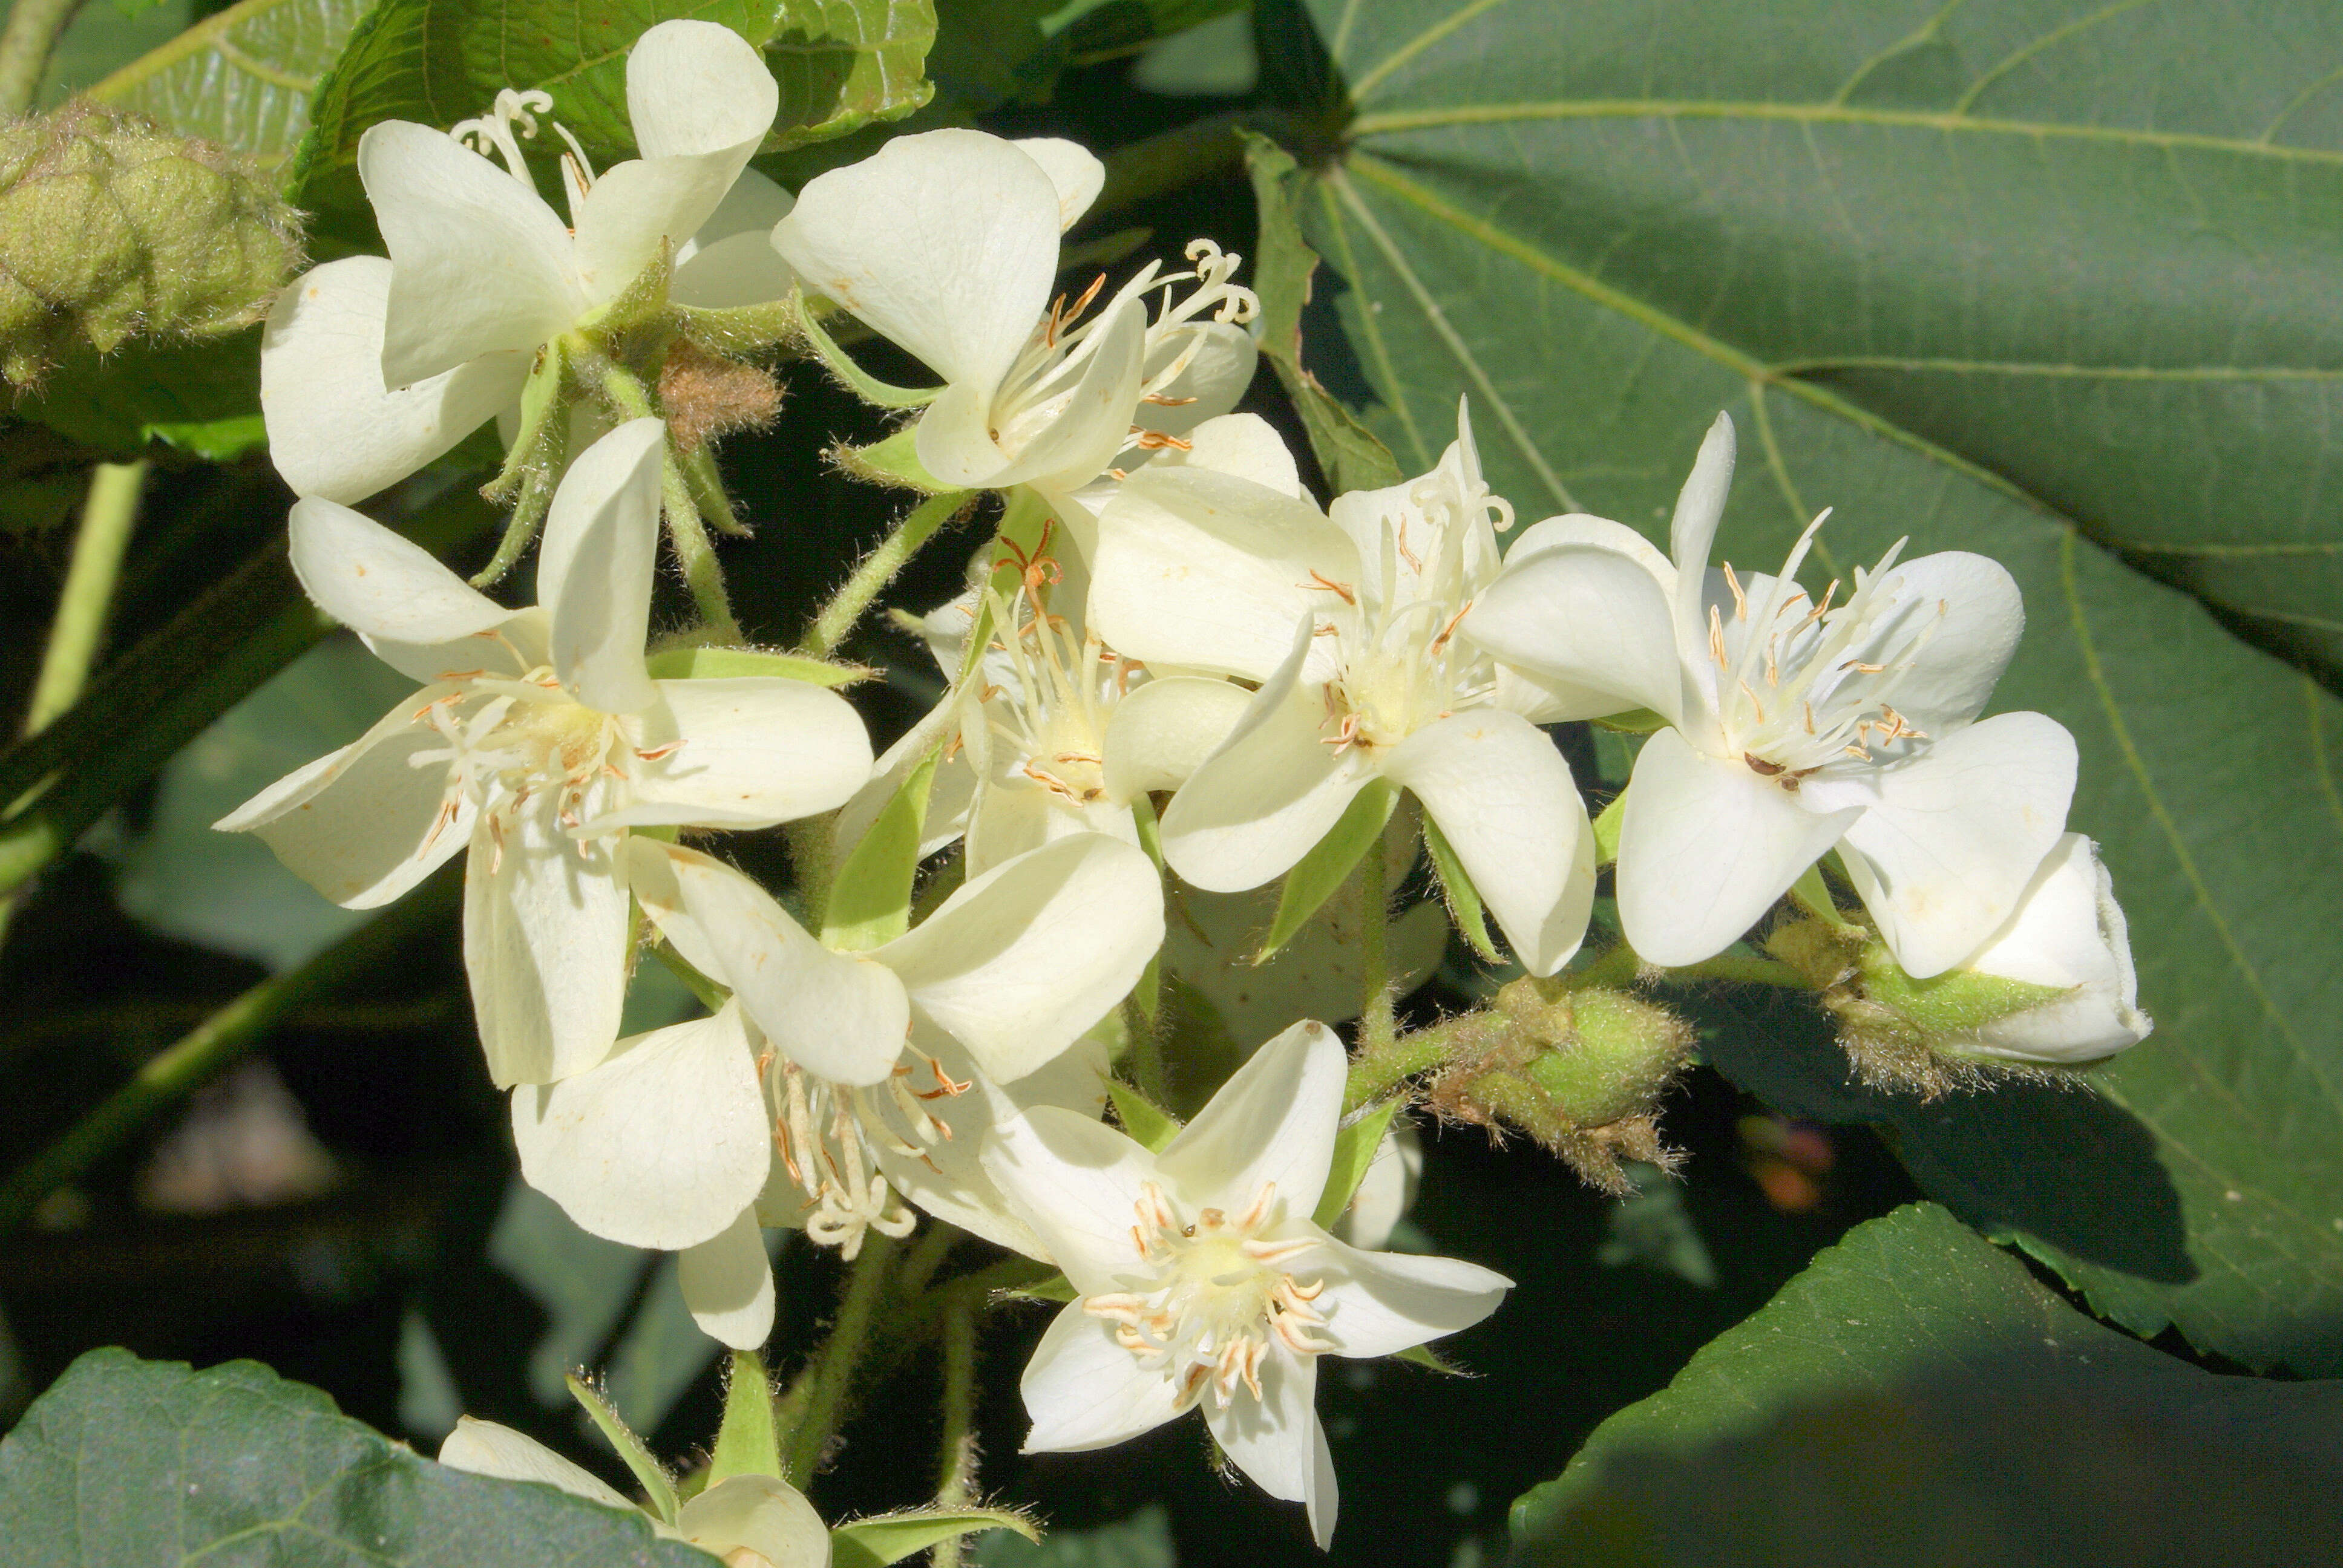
(870, 902)
(242, 78)
(1355, 1145)
(747, 1444)
(631, 1448)
(1462, 897)
(1784, 186)
(841, 64)
(1328, 863)
(893, 461)
(1148, 1123)
(734, 663)
(124, 1461)
(891, 1537)
(1915, 1398)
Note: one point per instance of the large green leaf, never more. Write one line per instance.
(241, 78)
(1915, 1397)
(148, 1463)
(1600, 280)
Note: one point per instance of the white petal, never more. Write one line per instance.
(1253, 809)
(1706, 847)
(1084, 1391)
(545, 945)
(333, 430)
(485, 1448)
(838, 1017)
(1156, 736)
(1576, 530)
(1385, 1193)
(1273, 1122)
(960, 443)
(1583, 617)
(1015, 816)
(1692, 532)
(2068, 931)
(650, 867)
(1960, 831)
(479, 261)
(1379, 1303)
(697, 88)
(379, 584)
(728, 1283)
(1978, 616)
(755, 751)
(356, 824)
(945, 242)
(1504, 798)
(594, 568)
(1210, 572)
(1220, 360)
(662, 1145)
(1073, 169)
(767, 1516)
(1245, 446)
(1021, 960)
(949, 796)
(1075, 1183)
(1275, 1439)
(732, 260)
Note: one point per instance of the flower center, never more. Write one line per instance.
(1052, 716)
(828, 1136)
(1209, 1294)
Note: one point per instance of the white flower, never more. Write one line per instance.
(1349, 621)
(947, 242)
(744, 1521)
(539, 741)
(371, 368)
(2068, 932)
(1204, 1280)
(1794, 726)
(833, 1081)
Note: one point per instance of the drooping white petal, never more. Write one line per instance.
(838, 1017)
(1244, 445)
(1504, 798)
(1210, 572)
(1085, 1391)
(1705, 847)
(1220, 358)
(754, 752)
(486, 1448)
(945, 242)
(766, 1516)
(1692, 531)
(1021, 959)
(1073, 169)
(697, 88)
(961, 442)
(1016, 816)
(1579, 530)
(1276, 1440)
(1957, 834)
(1156, 736)
(650, 867)
(594, 568)
(1587, 621)
(728, 1283)
(333, 430)
(1255, 807)
(1075, 1183)
(1380, 1304)
(379, 584)
(2068, 931)
(1977, 616)
(662, 1145)
(479, 261)
(545, 947)
(1273, 1120)
(356, 824)
(731, 261)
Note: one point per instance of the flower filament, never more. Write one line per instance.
(1052, 717)
(512, 121)
(827, 1136)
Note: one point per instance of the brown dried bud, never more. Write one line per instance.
(705, 397)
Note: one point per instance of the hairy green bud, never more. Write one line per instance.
(111, 226)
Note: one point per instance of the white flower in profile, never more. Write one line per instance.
(1204, 1280)
(1349, 620)
(370, 368)
(1794, 727)
(538, 741)
(835, 1085)
(946, 244)
(743, 1520)
(2068, 933)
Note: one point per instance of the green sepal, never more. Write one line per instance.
(1149, 1124)
(711, 996)
(1317, 876)
(893, 461)
(862, 383)
(654, 1482)
(733, 330)
(891, 1537)
(644, 300)
(1606, 830)
(870, 901)
(1355, 1150)
(1464, 897)
(747, 1444)
(1430, 1359)
(1635, 721)
(1812, 894)
(1053, 1287)
(734, 663)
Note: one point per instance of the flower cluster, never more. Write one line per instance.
(1175, 680)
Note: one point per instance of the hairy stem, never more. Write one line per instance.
(31, 38)
(1381, 1068)
(877, 569)
(831, 1378)
(1378, 1027)
(956, 1480)
(1742, 970)
(108, 518)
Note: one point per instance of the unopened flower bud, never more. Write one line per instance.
(2052, 989)
(111, 226)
